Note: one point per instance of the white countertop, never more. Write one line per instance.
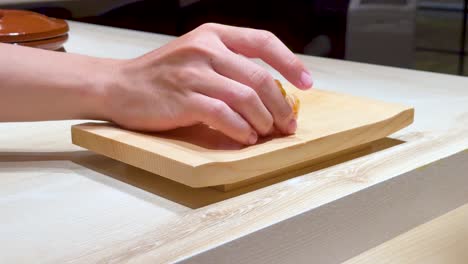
(61, 203)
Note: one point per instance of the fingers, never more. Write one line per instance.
(266, 46)
(250, 74)
(242, 99)
(220, 116)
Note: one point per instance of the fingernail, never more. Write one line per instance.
(253, 138)
(306, 80)
(292, 126)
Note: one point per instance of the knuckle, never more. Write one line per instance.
(266, 38)
(202, 44)
(247, 95)
(189, 76)
(260, 78)
(217, 108)
(191, 73)
(198, 47)
(284, 113)
(267, 125)
(293, 62)
(208, 26)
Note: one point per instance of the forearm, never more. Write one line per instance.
(43, 85)
(197, 78)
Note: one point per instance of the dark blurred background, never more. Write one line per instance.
(426, 35)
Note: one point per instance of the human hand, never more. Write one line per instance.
(201, 78)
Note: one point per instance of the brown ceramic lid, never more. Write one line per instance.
(48, 44)
(20, 26)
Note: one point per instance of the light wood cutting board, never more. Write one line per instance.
(199, 156)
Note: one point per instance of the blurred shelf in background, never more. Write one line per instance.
(426, 35)
(441, 36)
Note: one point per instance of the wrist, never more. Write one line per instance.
(101, 77)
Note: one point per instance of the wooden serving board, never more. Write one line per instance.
(199, 156)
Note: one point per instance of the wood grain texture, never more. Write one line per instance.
(329, 123)
(441, 241)
(62, 204)
(313, 165)
(339, 228)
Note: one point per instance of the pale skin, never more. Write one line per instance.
(204, 76)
